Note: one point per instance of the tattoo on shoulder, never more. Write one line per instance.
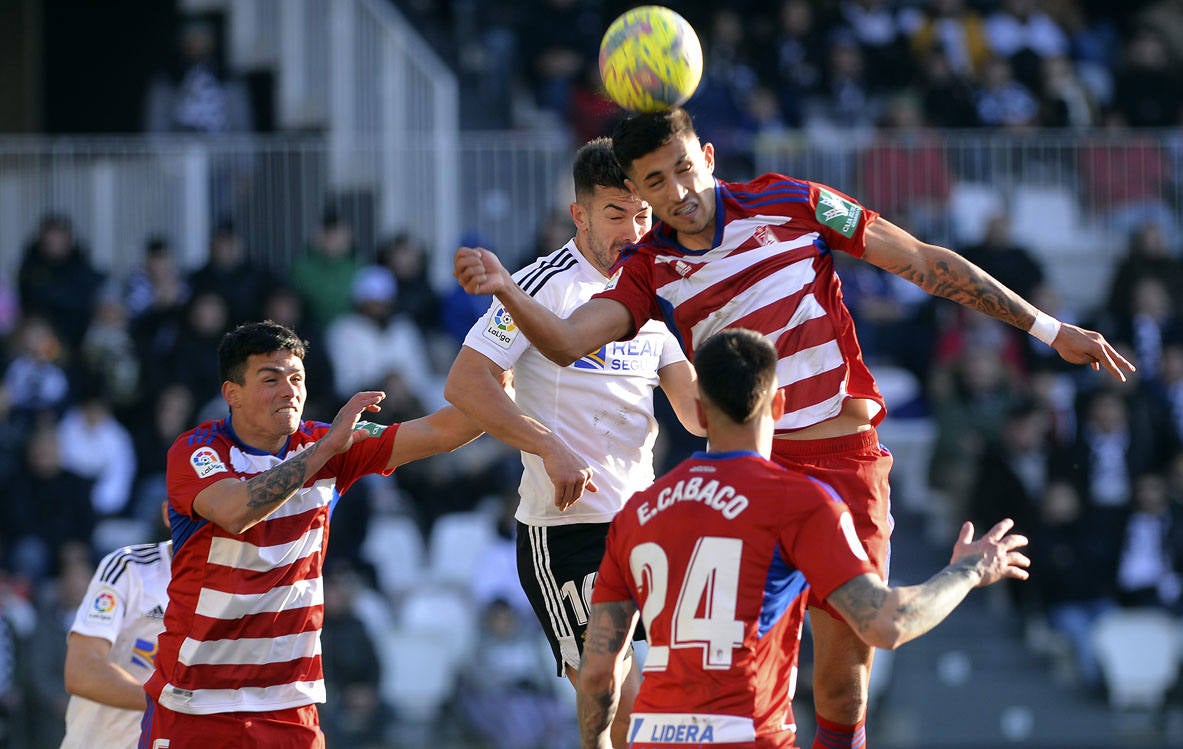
(609, 627)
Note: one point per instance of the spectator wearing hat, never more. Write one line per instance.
(375, 347)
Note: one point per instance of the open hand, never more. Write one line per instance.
(995, 552)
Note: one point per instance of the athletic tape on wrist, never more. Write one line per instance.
(1045, 327)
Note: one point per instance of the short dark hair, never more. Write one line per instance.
(736, 367)
(253, 338)
(641, 134)
(595, 166)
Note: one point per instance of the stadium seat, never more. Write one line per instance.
(456, 544)
(419, 676)
(971, 206)
(394, 545)
(1139, 652)
(441, 610)
(1045, 218)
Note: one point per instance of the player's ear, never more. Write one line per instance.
(578, 215)
(700, 412)
(231, 393)
(778, 404)
(708, 155)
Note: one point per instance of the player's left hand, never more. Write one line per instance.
(479, 271)
(344, 431)
(1079, 346)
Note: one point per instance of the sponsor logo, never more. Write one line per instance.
(143, 653)
(838, 213)
(206, 462)
(156, 613)
(635, 356)
(665, 733)
(764, 236)
(102, 608)
(501, 328)
(371, 428)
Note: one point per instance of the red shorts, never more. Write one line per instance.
(294, 728)
(857, 467)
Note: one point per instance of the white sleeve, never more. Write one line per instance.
(496, 336)
(671, 352)
(104, 607)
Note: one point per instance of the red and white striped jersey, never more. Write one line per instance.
(718, 555)
(770, 270)
(242, 627)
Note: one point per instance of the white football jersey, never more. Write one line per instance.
(601, 406)
(124, 605)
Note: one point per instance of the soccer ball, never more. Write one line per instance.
(650, 59)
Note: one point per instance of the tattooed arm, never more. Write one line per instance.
(236, 505)
(942, 272)
(609, 630)
(887, 617)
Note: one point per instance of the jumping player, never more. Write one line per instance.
(716, 557)
(590, 421)
(760, 255)
(250, 497)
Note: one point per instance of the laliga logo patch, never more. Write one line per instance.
(102, 609)
(501, 328)
(206, 462)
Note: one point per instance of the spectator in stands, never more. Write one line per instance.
(948, 96)
(157, 283)
(1147, 256)
(46, 507)
(504, 690)
(229, 272)
(57, 281)
(163, 418)
(1075, 552)
(1065, 100)
(1002, 101)
(323, 275)
(192, 359)
(1171, 378)
(881, 31)
(197, 96)
(846, 107)
(46, 660)
(956, 32)
(1023, 34)
(796, 57)
(719, 106)
(108, 354)
(35, 380)
(1014, 470)
(1111, 452)
(93, 444)
(558, 39)
(353, 714)
(1150, 322)
(1151, 558)
(1147, 89)
(1012, 264)
(405, 256)
(372, 342)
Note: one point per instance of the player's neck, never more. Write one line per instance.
(756, 438)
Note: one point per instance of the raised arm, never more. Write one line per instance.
(609, 628)
(887, 617)
(563, 341)
(439, 432)
(944, 273)
(236, 505)
(477, 386)
(90, 673)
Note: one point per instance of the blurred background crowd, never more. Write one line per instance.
(100, 370)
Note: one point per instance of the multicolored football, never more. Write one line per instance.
(650, 59)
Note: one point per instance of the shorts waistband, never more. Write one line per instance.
(847, 443)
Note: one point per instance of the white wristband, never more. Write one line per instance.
(1045, 327)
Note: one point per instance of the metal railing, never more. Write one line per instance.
(1071, 198)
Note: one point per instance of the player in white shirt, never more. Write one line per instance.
(111, 648)
(588, 424)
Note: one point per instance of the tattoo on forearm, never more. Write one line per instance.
(596, 712)
(608, 628)
(861, 600)
(960, 281)
(277, 484)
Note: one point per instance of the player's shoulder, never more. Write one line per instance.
(131, 558)
(769, 192)
(545, 271)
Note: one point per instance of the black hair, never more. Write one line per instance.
(641, 134)
(253, 338)
(736, 367)
(596, 166)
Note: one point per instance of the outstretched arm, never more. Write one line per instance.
(439, 432)
(944, 273)
(563, 341)
(609, 628)
(476, 386)
(887, 617)
(235, 505)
